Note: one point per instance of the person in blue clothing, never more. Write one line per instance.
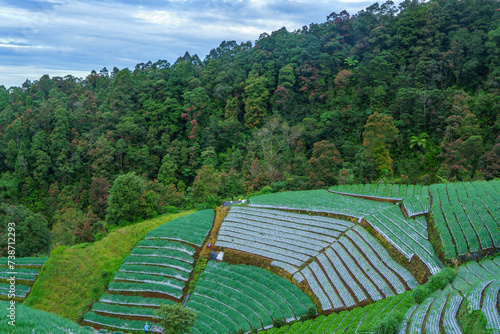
(146, 328)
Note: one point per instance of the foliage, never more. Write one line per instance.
(129, 200)
(176, 319)
(388, 324)
(473, 322)
(29, 230)
(435, 282)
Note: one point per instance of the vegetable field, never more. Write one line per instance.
(29, 320)
(355, 269)
(287, 238)
(359, 320)
(25, 271)
(478, 283)
(318, 201)
(230, 297)
(407, 235)
(155, 273)
(467, 216)
(346, 265)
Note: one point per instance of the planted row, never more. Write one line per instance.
(198, 224)
(319, 201)
(250, 295)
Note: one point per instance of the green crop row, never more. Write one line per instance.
(191, 229)
(155, 270)
(124, 310)
(168, 253)
(149, 278)
(166, 244)
(31, 271)
(320, 201)
(145, 287)
(115, 322)
(158, 261)
(19, 288)
(24, 261)
(134, 300)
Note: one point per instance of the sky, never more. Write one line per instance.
(62, 37)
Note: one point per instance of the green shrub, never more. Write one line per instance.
(471, 322)
(435, 282)
(420, 293)
(441, 279)
(311, 312)
(266, 190)
(278, 322)
(388, 324)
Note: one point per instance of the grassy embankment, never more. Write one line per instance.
(75, 277)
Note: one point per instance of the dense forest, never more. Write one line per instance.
(406, 94)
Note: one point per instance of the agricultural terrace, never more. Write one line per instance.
(232, 297)
(29, 320)
(342, 263)
(478, 283)
(476, 287)
(155, 273)
(467, 216)
(26, 271)
(407, 235)
(416, 199)
(359, 320)
(318, 201)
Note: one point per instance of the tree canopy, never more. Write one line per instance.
(344, 100)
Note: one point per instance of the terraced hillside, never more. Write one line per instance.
(25, 270)
(232, 297)
(155, 273)
(343, 265)
(343, 254)
(359, 320)
(467, 216)
(478, 284)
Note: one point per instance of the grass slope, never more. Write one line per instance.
(30, 321)
(74, 278)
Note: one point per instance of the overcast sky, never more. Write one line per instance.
(60, 37)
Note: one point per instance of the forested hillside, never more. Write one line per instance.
(406, 94)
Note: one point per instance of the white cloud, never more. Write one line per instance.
(69, 36)
(17, 75)
(164, 18)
